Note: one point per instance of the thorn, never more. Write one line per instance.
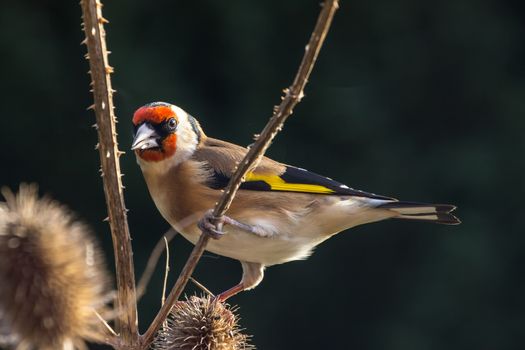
(95, 126)
(84, 42)
(109, 70)
(97, 146)
(102, 20)
(93, 31)
(108, 154)
(86, 56)
(119, 153)
(90, 90)
(91, 107)
(106, 219)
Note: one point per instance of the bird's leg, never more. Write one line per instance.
(245, 227)
(212, 225)
(230, 292)
(252, 275)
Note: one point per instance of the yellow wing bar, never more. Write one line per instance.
(276, 183)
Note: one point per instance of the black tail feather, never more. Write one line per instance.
(437, 213)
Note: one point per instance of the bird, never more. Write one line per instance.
(280, 213)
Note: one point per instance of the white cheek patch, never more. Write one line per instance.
(186, 138)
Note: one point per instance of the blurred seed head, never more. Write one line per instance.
(52, 274)
(202, 323)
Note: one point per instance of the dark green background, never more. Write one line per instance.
(421, 100)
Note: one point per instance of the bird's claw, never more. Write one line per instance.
(209, 224)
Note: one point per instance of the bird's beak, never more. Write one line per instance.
(145, 138)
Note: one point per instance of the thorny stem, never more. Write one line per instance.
(293, 95)
(93, 25)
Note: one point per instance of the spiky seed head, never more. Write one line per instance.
(202, 323)
(52, 274)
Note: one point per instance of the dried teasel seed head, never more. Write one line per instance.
(202, 323)
(52, 276)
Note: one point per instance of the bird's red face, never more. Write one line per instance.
(156, 127)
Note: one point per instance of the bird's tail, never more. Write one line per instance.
(437, 213)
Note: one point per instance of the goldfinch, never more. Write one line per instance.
(280, 212)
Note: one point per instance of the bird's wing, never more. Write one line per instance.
(223, 157)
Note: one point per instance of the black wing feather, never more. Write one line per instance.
(298, 175)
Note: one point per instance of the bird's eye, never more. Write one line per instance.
(171, 124)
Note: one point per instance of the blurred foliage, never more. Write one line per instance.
(420, 100)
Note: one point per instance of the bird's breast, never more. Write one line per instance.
(181, 195)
